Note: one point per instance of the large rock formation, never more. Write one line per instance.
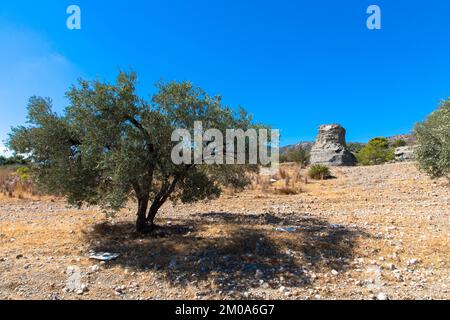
(330, 148)
(404, 154)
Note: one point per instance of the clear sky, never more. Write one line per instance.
(293, 64)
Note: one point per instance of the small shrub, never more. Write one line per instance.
(23, 173)
(319, 171)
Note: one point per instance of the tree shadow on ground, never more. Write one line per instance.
(234, 252)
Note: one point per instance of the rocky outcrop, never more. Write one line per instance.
(305, 145)
(330, 147)
(404, 154)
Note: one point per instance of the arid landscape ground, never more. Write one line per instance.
(379, 232)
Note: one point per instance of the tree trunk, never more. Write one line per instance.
(152, 214)
(141, 221)
(160, 199)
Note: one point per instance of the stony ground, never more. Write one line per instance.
(377, 232)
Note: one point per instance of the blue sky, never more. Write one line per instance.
(293, 64)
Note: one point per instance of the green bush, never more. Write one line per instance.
(377, 151)
(319, 172)
(23, 173)
(14, 160)
(433, 139)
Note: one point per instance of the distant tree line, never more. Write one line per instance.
(14, 160)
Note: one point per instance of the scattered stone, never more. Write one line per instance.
(73, 283)
(382, 296)
(283, 289)
(120, 290)
(259, 274)
(95, 268)
(391, 266)
(413, 262)
(173, 263)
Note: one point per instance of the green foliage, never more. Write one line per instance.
(377, 151)
(23, 173)
(298, 155)
(109, 145)
(398, 143)
(11, 161)
(319, 172)
(433, 139)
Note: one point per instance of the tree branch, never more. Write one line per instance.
(141, 128)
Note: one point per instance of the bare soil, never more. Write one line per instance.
(371, 232)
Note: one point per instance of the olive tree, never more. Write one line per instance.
(433, 142)
(109, 146)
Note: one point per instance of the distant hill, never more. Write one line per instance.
(307, 145)
(409, 138)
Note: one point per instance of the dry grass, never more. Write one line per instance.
(288, 181)
(12, 185)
